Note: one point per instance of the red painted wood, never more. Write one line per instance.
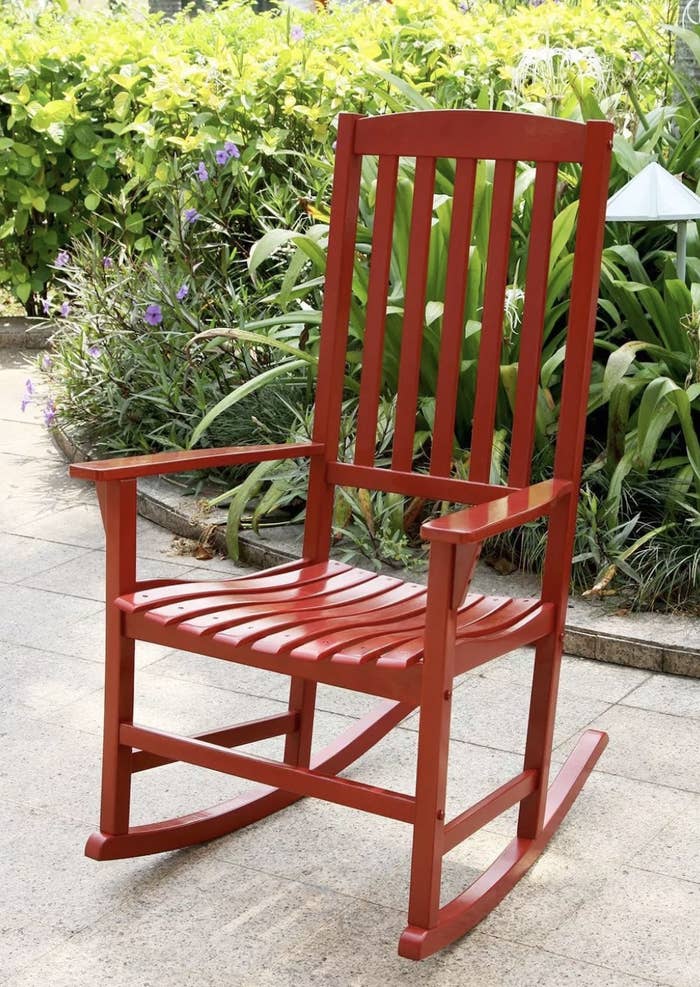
(453, 318)
(401, 684)
(468, 909)
(375, 320)
(493, 805)
(319, 621)
(118, 506)
(131, 467)
(209, 824)
(471, 134)
(334, 335)
(235, 736)
(414, 315)
(532, 327)
(414, 484)
(567, 462)
(484, 520)
(492, 322)
(302, 781)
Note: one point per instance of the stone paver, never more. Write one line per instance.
(315, 895)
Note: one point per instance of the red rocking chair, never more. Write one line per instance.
(317, 620)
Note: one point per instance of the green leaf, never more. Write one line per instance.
(562, 229)
(97, 178)
(250, 387)
(122, 103)
(134, 222)
(267, 245)
(55, 111)
(23, 291)
(92, 201)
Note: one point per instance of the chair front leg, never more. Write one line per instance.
(450, 570)
(118, 505)
(302, 701)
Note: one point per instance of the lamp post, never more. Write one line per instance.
(654, 195)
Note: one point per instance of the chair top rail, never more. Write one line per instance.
(484, 135)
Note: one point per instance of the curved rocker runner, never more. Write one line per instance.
(317, 620)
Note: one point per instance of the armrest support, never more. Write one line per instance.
(474, 524)
(131, 467)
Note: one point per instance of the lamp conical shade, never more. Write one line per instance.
(653, 194)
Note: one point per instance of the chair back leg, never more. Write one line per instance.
(540, 732)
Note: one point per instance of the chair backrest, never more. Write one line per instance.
(463, 151)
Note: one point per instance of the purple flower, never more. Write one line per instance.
(191, 215)
(464, 8)
(221, 157)
(153, 315)
(94, 351)
(636, 56)
(107, 263)
(28, 392)
(49, 413)
(201, 172)
(45, 305)
(65, 310)
(232, 150)
(46, 362)
(182, 292)
(297, 33)
(62, 258)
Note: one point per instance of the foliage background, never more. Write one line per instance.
(104, 136)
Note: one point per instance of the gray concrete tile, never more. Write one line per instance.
(649, 746)
(493, 713)
(173, 704)
(24, 557)
(186, 927)
(27, 439)
(670, 694)
(675, 849)
(613, 817)
(80, 524)
(545, 969)
(660, 934)
(579, 677)
(84, 576)
(49, 621)
(332, 956)
(38, 682)
(227, 675)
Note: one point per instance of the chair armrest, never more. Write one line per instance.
(474, 524)
(131, 467)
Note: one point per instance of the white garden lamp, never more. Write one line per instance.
(655, 195)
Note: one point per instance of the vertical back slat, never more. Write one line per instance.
(492, 321)
(584, 301)
(375, 320)
(453, 317)
(334, 335)
(414, 314)
(533, 323)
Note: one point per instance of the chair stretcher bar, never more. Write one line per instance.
(394, 805)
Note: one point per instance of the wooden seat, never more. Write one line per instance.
(322, 621)
(327, 612)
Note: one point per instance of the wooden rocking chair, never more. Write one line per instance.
(317, 620)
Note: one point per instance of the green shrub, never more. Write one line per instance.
(91, 110)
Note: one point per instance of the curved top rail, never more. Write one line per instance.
(474, 134)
